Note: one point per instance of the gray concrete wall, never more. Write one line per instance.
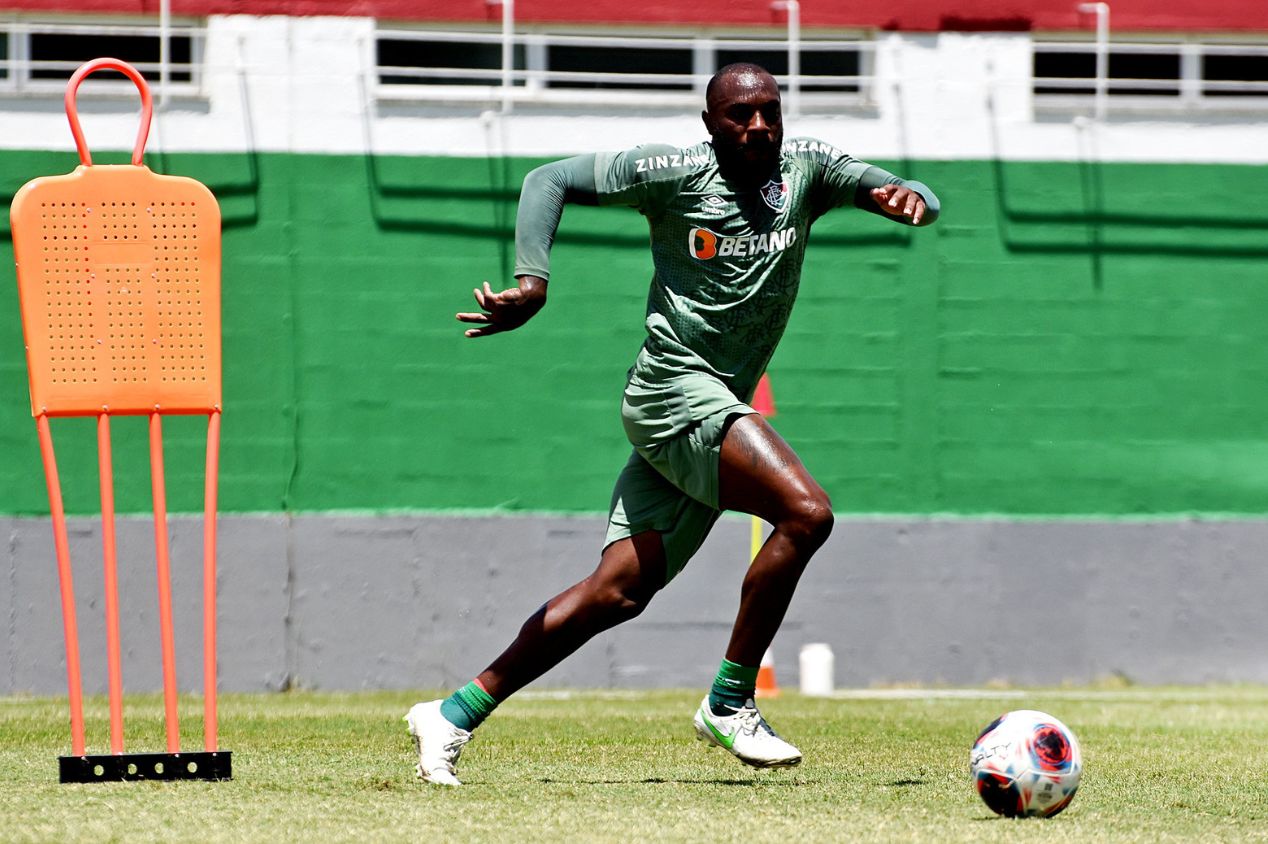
(345, 602)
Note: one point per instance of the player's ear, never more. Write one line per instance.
(708, 124)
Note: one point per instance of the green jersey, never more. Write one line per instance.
(727, 264)
(727, 259)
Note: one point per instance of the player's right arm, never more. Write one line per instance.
(642, 178)
(546, 190)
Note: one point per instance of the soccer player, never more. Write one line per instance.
(729, 222)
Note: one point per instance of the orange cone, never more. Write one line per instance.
(766, 685)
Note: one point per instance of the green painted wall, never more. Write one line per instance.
(1068, 339)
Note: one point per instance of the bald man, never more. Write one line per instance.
(729, 221)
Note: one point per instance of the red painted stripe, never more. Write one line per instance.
(918, 15)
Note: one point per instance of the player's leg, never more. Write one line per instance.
(761, 475)
(653, 528)
(758, 473)
(630, 571)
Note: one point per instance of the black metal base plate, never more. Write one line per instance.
(202, 765)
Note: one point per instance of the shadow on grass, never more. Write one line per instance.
(665, 781)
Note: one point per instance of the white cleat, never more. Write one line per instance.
(746, 735)
(438, 743)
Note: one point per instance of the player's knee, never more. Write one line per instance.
(619, 604)
(618, 599)
(810, 520)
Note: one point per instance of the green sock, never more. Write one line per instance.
(468, 707)
(732, 687)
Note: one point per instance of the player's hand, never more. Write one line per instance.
(507, 310)
(898, 201)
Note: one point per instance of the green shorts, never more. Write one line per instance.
(671, 487)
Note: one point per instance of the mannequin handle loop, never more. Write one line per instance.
(72, 111)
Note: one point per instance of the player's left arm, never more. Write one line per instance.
(842, 179)
(907, 200)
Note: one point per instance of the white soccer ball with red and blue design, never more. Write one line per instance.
(1026, 764)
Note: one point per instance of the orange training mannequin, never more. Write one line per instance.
(119, 286)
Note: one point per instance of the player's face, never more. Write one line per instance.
(743, 116)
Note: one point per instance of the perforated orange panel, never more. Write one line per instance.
(119, 279)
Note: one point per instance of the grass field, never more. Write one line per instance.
(1160, 764)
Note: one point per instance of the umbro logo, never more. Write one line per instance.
(713, 205)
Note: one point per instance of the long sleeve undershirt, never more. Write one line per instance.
(549, 187)
(542, 200)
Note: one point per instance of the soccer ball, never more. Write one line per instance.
(1026, 764)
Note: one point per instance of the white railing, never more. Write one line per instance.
(20, 71)
(533, 80)
(519, 70)
(1190, 88)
